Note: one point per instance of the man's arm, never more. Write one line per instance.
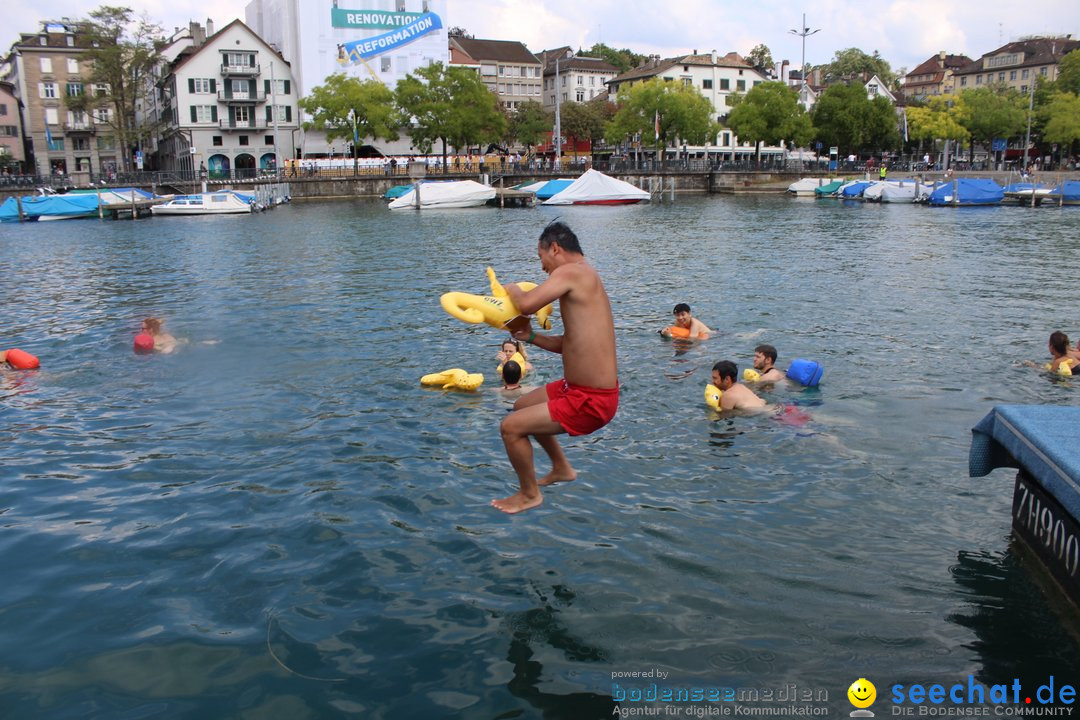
(558, 284)
(702, 330)
(521, 329)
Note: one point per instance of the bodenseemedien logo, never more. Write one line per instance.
(862, 694)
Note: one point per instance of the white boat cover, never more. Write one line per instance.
(594, 187)
(905, 191)
(455, 194)
(806, 185)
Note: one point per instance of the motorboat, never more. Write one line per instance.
(895, 191)
(207, 203)
(595, 188)
(806, 186)
(445, 194)
(967, 192)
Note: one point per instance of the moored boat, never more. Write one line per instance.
(967, 192)
(596, 188)
(445, 194)
(208, 203)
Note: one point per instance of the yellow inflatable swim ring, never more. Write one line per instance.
(516, 357)
(750, 375)
(454, 378)
(495, 309)
(1063, 368)
(712, 396)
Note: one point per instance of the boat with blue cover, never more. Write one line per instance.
(1040, 442)
(49, 207)
(963, 192)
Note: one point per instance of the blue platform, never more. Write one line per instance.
(1040, 439)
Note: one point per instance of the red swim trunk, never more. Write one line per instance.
(581, 410)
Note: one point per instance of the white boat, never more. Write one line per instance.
(453, 194)
(905, 191)
(208, 203)
(596, 188)
(806, 186)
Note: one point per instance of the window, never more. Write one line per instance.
(284, 113)
(48, 90)
(706, 84)
(1023, 89)
(57, 145)
(102, 115)
(243, 139)
(46, 65)
(1012, 74)
(385, 63)
(978, 79)
(487, 70)
(725, 84)
(281, 87)
(106, 142)
(269, 140)
(101, 89)
(200, 85)
(242, 115)
(71, 41)
(8, 130)
(963, 81)
(1003, 60)
(80, 143)
(1042, 71)
(727, 138)
(203, 113)
(1001, 77)
(564, 97)
(73, 66)
(580, 80)
(74, 89)
(592, 80)
(1024, 74)
(77, 118)
(240, 88)
(581, 96)
(52, 116)
(216, 141)
(240, 59)
(3, 108)
(502, 70)
(740, 85)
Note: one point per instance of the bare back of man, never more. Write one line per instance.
(590, 369)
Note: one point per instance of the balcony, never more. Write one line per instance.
(240, 70)
(83, 127)
(242, 125)
(251, 98)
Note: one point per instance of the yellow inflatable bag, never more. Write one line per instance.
(495, 309)
(712, 396)
(750, 375)
(454, 379)
(516, 357)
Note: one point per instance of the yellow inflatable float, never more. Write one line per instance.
(750, 375)
(495, 309)
(1063, 368)
(712, 396)
(454, 379)
(516, 357)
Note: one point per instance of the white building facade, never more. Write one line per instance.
(232, 107)
(381, 39)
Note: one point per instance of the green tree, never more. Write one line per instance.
(451, 105)
(770, 113)
(528, 123)
(1068, 79)
(582, 121)
(684, 114)
(351, 109)
(938, 119)
(623, 59)
(993, 113)
(1061, 120)
(850, 64)
(846, 118)
(761, 57)
(123, 56)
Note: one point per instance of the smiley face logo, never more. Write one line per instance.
(862, 693)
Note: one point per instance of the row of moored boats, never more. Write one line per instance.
(117, 202)
(591, 188)
(955, 192)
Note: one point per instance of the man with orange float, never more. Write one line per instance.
(686, 325)
(588, 396)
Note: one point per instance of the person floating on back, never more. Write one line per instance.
(587, 397)
(686, 325)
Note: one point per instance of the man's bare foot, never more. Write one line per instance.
(517, 503)
(551, 478)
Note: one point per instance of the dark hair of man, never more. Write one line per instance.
(726, 369)
(511, 372)
(557, 232)
(768, 351)
(1059, 341)
(681, 307)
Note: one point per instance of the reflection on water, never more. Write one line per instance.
(285, 524)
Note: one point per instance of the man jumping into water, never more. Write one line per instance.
(587, 397)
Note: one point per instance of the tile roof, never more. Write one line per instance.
(1036, 51)
(496, 50)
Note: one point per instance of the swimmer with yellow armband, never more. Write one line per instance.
(764, 370)
(729, 394)
(1063, 362)
(513, 350)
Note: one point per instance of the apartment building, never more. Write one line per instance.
(12, 154)
(934, 76)
(572, 78)
(1016, 64)
(507, 68)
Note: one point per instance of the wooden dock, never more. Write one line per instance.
(508, 197)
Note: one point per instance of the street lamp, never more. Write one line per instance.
(803, 33)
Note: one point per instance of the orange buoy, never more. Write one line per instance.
(21, 360)
(144, 343)
(677, 332)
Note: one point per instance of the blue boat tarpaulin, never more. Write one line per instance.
(968, 191)
(55, 205)
(552, 188)
(1041, 439)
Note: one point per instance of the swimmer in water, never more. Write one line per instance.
(764, 362)
(163, 341)
(736, 396)
(683, 319)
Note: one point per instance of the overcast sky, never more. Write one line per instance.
(905, 32)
